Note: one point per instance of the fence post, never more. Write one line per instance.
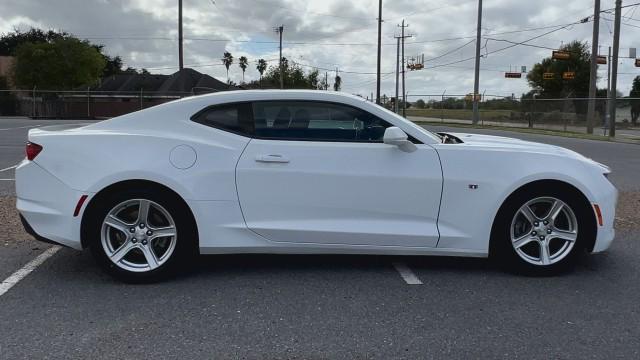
(88, 102)
(33, 110)
(140, 98)
(533, 112)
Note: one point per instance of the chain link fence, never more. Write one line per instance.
(565, 114)
(83, 104)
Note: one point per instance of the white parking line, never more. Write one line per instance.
(407, 275)
(7, 179)
(9, 168)
(9, 282)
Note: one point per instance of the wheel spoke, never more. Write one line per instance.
(163, 232)
(564, 235)
(143, 211)
(545, 258)
(555, 211)
(528, 214)
(522, 241)
(150, 256)
(122, 251)
(114, 222)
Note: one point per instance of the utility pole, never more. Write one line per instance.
(180, 53)
(279, 30)
(614, 70)
(326, 80)
(476, 81)
(593, 73)
(395, 105)
(404, 100)
(379, 51)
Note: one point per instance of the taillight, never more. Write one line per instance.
(33, 150)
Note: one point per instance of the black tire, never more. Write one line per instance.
(503, 252)
(186, 240)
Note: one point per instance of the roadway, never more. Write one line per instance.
(317, 307)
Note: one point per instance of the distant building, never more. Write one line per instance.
(124, 93)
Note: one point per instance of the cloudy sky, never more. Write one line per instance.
(336, 33)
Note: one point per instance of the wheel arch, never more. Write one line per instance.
(128, 184)
(541, 184)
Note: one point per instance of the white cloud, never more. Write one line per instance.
(310, 24)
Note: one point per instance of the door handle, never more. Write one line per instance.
(272, 158)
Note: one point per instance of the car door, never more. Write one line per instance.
(318, 173)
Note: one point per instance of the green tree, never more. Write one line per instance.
(420, 104)
(227, 60)
(578, 62)
(243, 62)
(634, 94)
(64, 63)
(10, 42)
(261, 67)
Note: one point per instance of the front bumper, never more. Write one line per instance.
(47, 206)
(606, 198)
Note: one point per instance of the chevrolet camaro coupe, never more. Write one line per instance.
(301, 172)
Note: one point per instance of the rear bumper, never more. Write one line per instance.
(46, 206)
(27, 227)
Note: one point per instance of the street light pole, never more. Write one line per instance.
(476, 82)
(614, 70)
(593, 73)
(180, 52)
(379, 51)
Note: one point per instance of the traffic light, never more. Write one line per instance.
(548, 76)
(568, 75)
(637, 62)
(512, 75)
(601, 60)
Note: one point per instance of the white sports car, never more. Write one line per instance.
(304, 172)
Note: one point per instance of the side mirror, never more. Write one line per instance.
(395, 136)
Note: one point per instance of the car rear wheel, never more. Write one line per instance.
(541, 232)
(141, 236)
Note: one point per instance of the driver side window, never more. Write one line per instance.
(316, 121)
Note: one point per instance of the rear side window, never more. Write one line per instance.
(232, 118)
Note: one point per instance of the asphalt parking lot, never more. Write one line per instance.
(324, 307)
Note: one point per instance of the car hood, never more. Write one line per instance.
(517, 145)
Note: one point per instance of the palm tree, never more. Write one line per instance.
(242, 61)
(261, 67)
(227, 60)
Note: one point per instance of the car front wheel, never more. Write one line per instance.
(541, 232)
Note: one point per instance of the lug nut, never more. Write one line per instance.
(142, 226)
(534, 233)
(535, 223)
(134, 240)
(548, 231)
(546, 222)
(541, 237)
(149, 232)
(144, 242)
(132, 230)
